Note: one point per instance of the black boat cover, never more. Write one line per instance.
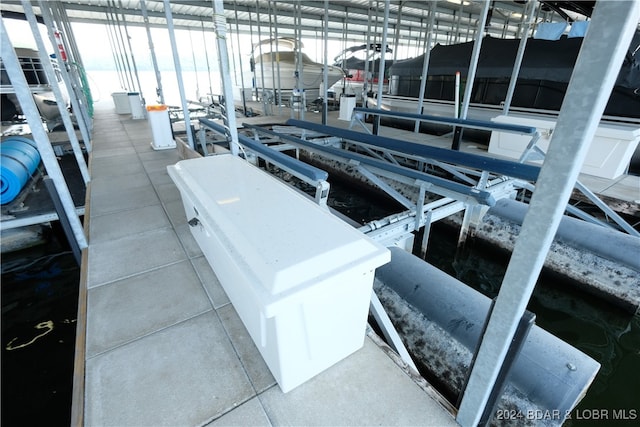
(543, 60)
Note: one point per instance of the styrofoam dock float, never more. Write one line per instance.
(609, 153)
(299, 277)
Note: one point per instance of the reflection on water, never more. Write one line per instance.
(607, 334)
(39, 308)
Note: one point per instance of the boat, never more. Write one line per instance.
(275, 67)
(545, 72)
(40, 88)
(352, 61)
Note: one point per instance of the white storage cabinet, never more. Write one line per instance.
(299, 277)
(609, 154)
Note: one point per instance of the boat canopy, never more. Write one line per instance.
(543, 60)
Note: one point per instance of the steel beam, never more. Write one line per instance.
(603, 50)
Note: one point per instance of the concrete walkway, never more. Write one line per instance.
(163, 344)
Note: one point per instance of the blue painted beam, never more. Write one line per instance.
(213, 126)
(481, 196)
(485, 163)
(464, 123)
(272, 155)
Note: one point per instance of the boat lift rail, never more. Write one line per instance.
(498, 178)
(531, 152)
(307, 173)
(438, 185)
(513, 169)
(397, 228)
(464, 123)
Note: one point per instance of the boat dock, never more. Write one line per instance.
(179, 314)
(164, 346)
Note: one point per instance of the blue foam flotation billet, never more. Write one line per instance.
(19, 159)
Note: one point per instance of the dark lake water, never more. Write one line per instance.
(39, 309)
(599, 329)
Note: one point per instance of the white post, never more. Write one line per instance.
(456, 99)
(603, 50)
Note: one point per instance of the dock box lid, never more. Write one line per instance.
(284, 238)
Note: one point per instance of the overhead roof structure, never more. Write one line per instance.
(455, 19)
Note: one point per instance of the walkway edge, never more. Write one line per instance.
(77, 397)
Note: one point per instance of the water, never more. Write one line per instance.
(39, 308)
(607, 334)
(196, 85)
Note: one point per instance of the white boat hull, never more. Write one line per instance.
(280, 73)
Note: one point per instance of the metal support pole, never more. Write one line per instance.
(388, 330)
(396, 42)
(116, 57)
(426, 230)
(154, 60)
(133, 59)
(206, 57)
(121, 46)
(51, 76)
(325, 70)
(385, 28)
(28, 105)
(244, 100)
(252, 64)
(528, 15)
(176, 63)
(458, 21)
(471, 75)
(267, 111)
(522, 332)
(275, 19)
(365, 83)
(64, 219)
(73, 47)
(425, 63)
(299, 64)
(220, 24)
(613, 25)
(66, 78)
(71, 66)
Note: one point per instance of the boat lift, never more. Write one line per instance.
(477, 181)
(65, 209)
(531, 152)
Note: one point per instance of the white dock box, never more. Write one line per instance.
(608, 157)
(299, 277)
